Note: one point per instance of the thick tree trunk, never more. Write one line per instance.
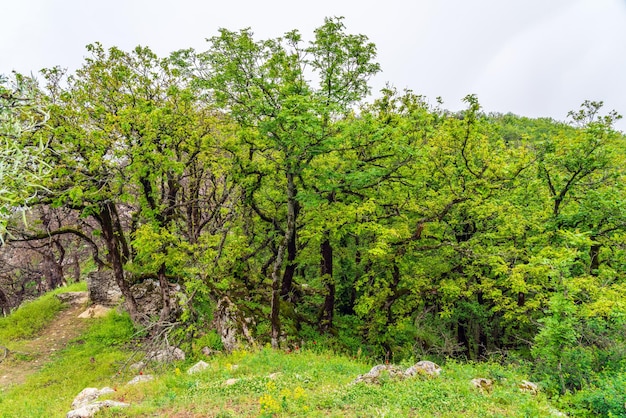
(117, 255)
(52, 270)
(276, 278)
(326, 272)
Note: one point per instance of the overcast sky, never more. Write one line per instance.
(530, 57)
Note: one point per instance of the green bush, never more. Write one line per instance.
(605, 397)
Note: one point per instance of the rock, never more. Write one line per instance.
(166, 355)
(89, 395)
(423, 367)
(373, 376)
(88, 411)
(274, 375)
(95, 311)
(230, 324)
(141, 379)
(137, 366)
(85, 405)
(530, 387)
(230, 382)
(102, 288)
(149, 298)
(73, 298)
(198, 367)
(482, 384)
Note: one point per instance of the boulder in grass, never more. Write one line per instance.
(85, 405)
(89, 395)
(141, 378)
(424, 367)
(375, 374)
(529, 387)
(198, 367)
(482, 384)
(166, 355)
(89, 410)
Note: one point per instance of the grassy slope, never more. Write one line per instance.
(308, 382)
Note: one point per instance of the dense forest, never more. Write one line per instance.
(259, 174)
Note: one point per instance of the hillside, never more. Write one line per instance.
(49, 368)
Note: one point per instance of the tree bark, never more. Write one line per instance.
(326, 272)
(117, 255)
(276, 278)
(286, 291)
(165, 295)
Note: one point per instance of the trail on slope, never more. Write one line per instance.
(34, 353)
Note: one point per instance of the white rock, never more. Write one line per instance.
(166, 354)
(423, 367)
(198, 367)
(89, 395)
(141, 378)
(230, 382)
(88, 411)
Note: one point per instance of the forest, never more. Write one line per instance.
(261, 175)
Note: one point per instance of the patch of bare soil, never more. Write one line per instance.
(16, 366)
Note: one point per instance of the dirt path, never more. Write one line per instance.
(35, 353)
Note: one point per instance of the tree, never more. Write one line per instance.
(286, 120)
(133, 148)
(22, 172)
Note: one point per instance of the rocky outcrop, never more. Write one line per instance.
(102, 288)
(231, 324)
(73, 298)
(149, 298)
(86, 405)
(379, 372)
(423, 367)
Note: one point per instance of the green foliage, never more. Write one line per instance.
(395, 229)
(603, 397)
(22, 169)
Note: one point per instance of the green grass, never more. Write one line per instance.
(309, 382)
(33, 316)
(92, 360)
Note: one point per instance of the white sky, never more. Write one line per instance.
(530, 57)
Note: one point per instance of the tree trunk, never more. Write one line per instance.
(276, 278)
(117, 255)
(286, 291)
(165, 295)
(326, 272)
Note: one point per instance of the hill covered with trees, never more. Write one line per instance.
(255, 175)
